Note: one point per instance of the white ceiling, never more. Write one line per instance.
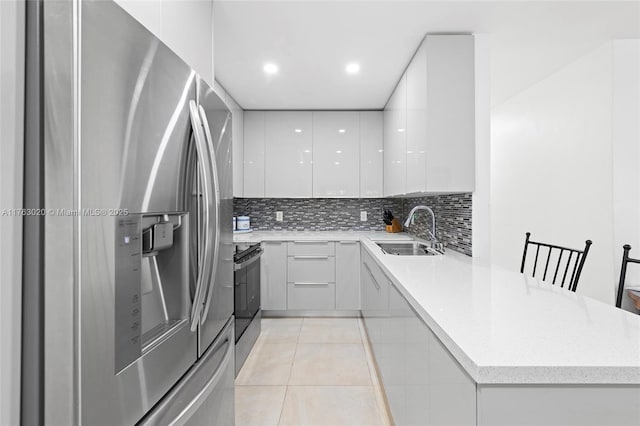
(312, 41)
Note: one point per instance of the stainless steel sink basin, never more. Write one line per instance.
(409, 248)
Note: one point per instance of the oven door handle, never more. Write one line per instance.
(255, 258)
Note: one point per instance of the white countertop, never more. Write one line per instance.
(259, 236)
(504, 327)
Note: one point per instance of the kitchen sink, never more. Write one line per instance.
(409, 248)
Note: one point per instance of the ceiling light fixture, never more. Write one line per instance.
(341, 130)
(353, 68)
(400, 130)
(298, 130)
(270, 68)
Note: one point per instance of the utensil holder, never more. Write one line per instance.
(394, 227)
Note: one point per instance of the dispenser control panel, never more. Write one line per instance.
(128, 297)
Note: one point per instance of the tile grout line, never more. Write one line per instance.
(286, 389)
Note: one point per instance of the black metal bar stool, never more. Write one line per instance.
(623, 272)
(578, 261)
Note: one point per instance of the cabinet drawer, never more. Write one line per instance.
(311, 296)
(309, 248)
(312, 269)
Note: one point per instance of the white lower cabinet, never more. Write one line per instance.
(317, 276)
(375, 288)
(311, 269)
(312, 276)
(311, 296)
(273, 279)
(423, 383)
(347, 275)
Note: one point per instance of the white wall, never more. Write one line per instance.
(565, 159)
(11, 159)
(186, 26)
(481, 210)
(552, 171)
(626, 156)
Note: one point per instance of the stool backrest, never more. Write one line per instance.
(570, 268)
(623, 272)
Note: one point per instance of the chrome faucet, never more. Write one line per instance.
(437, 244)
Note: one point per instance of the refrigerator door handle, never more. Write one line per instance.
(203, 255)
(211, 384)
(216, 187)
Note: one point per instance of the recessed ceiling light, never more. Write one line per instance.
(400, 130)
(341, 130)
(298, 130)
(270, 68)
(353, 68)
(338, 152)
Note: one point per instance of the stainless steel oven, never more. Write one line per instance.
(247, 299)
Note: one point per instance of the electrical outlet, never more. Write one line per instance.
(279, 216)
(363, 216)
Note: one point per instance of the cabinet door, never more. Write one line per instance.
(336, 155)
(273, 280)
(375, 292)
(311, 269)
(347, 275)
(315, 296)
(395, 146)
(450, 162)
(288, 145)
(417, 121)
(371, 154)
(423, 382)
(237, 134)
(253, 154)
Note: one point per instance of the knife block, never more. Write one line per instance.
(394, 227)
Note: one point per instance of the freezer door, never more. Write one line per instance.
(134, 318)
(205, 396)
(218, 302)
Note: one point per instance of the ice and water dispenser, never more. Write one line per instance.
(153, 298)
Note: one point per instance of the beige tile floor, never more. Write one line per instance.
(310, 371)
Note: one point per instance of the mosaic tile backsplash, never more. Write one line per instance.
(453, 219)
(453, 215)
(315, 214)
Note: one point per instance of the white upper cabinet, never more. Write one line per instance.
(395, 146)
(303, 154)
(288, 145)
(450, 114)
(237, 134)
(166, 20)
(336, 154)
(254, 149)
(371, 154)
(429, 120)
(416, 122)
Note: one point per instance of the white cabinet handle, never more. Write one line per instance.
(310, 257)
(323, 284)
(311, 242)
(375, 282)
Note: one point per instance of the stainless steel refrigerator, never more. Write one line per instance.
(128, 261)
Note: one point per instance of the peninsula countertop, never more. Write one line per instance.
(504, 327)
